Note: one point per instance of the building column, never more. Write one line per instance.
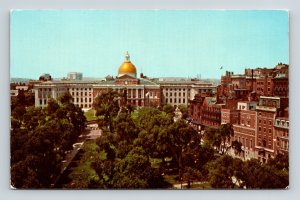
(36, 98)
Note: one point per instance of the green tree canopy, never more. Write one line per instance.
(106, 104)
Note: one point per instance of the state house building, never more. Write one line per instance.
(140, 91)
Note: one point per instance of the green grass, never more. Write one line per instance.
(90, 115)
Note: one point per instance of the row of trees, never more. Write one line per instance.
(40, 138)
(131, 141)
(138, 149)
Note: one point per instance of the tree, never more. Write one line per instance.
(263, 176)
(182, 139)
(219, 137)
(184, 110)
(134, 171)
(150, 122)
(125, 127)
(220, 172)
(280, 162)
(106, 104)
(191, 174)
(211, 137)
(52, 107)
(29, 98)
(237, 146)
(66, 98)
(39, 140)
(169, 109)
(225, 132)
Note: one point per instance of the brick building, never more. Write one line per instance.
(245, 129)
(281, 128)
(256, 103)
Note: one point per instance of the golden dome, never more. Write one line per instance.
(127, 67)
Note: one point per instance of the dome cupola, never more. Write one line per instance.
(127, 67)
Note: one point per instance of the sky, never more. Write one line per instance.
(161, 43)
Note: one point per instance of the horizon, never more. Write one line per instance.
(161, 43)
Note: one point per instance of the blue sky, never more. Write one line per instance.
(160, 43)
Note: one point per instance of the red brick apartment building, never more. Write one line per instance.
(256, 103)
(245, 129)
(281, 142)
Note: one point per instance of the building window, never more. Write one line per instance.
(183, 100)
(170, 100)
(41, 101)
(90, 99)
(270, 130)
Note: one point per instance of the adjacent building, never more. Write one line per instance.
(74, 76)
(256, 104)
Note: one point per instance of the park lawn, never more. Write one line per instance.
(90, 115)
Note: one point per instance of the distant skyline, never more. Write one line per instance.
(161, 43)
